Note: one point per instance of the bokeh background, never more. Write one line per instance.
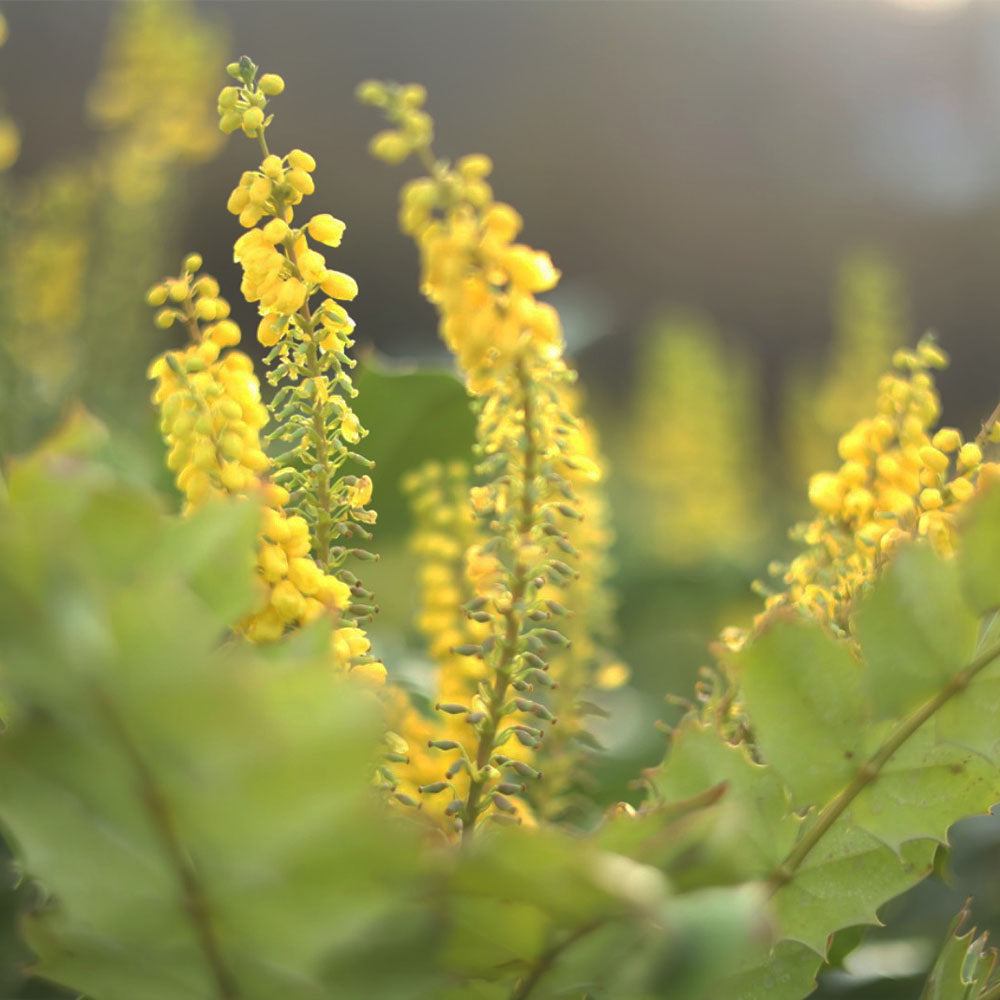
(752, 204)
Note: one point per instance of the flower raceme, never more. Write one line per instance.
(308, 334)
(445, 530)
(899, 479)
(509, 350)
(211, 417)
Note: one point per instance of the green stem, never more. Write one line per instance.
(514, 615)
(195, 903)
(871, 769)
(321, 479)
(546, 960)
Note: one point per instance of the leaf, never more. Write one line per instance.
(699, 759)
(489, 936)
(977, 559)
(214, 551)
(923, 788)
(200, 815)
(964, 967)
(804, 694)
(786, 973)
(915, 630)
(412, 417)
(844, 881)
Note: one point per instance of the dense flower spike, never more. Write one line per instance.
(693, 448)
(899, 478)
(869, 325)
(584, 608)
(445, 529)
(10, 136)
(152, 96)
(211, 419)
(307, 340)
(509, 350)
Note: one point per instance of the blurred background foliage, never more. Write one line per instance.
(753, 207)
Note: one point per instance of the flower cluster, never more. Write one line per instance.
(869, 325)
(509, 349)
(445, 529)
(307, 340)
(211, 419)
(10, 136)
(586, 664)
(697, 496)
(152, 95)
(899, 479)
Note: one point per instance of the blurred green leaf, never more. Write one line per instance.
(412, 417)
(964, 967)
(803, 691)
(200, 815)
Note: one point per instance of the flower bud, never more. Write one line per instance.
(271, 84)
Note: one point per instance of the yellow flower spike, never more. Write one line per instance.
(905, 495)
(509, 352)
(212, 419)
(307, 334)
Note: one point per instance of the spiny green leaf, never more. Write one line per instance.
(964, 966)
(786, 973)
(419, 416)
(804, 694)
(844, 881)
(915, 630)
(923, 788)
(699, 759)
(489, 937)
(201, 816)
(977, 559)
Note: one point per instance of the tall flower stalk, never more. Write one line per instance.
(308, 333)
(530, 441)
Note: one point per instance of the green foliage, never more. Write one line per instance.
(421, 416)
(867, 750)
(965, 969)
(200, 814)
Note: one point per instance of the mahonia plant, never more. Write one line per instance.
(231, 786)
(900, 478)
(307, 339)
(213, 418)
(535, 453)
